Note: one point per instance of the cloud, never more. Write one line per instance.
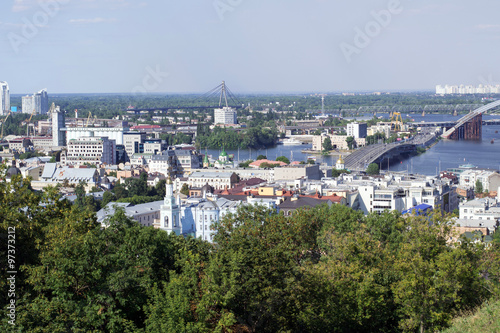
(92, 20)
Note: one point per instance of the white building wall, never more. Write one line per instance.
(226, 116)
(113, 133)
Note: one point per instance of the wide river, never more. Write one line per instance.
(446, 154)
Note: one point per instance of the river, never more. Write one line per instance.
(446, 154)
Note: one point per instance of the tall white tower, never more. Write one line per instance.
(4, 98)
(170, 212)
(58, 127)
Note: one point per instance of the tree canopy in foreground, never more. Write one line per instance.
(327, 269)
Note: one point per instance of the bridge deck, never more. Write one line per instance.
(469, 117)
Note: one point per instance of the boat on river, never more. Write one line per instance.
(291, 142)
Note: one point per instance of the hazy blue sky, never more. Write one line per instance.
(87, 46)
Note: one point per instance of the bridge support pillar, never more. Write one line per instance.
(471, 130)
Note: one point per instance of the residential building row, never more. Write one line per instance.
(467, 89)
(38, 103)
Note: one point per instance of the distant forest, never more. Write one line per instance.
(109, 105)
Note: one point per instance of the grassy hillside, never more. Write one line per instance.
(485, 320)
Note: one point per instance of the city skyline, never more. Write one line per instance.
(119, 46)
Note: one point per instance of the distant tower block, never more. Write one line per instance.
(58, 126)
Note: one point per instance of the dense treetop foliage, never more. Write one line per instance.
(327, 269)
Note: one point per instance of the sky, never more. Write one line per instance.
(257, 46)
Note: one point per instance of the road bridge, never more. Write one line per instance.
(470, 126)
(361, 158)
(449, 124)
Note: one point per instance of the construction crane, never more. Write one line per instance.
(3, 124)
(397, 121)
(28, 121)
(52, 108)
(88, 119)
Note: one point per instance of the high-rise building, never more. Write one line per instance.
(93, 150)
(4, 98)
(357, 130)
(58, 128)
(225, 116)
(469, 89)
(39, 103)
(41, 100)
(28, 104)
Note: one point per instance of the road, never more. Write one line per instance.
(361, 158)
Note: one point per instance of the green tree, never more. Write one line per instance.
(185, 189)
(436, 280)
(268, 165)
(28, 154)
(95, 279)
(373, 169)
(336, 173)
(252, 282)
(245, 164)
(350, 142)
(160, 188)
(80, 194)
(136, 186)
(92, 204)
(107, 197)
(283, 159)
(120, 191)
(327, 144)
(478, 189)
(261, 157)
